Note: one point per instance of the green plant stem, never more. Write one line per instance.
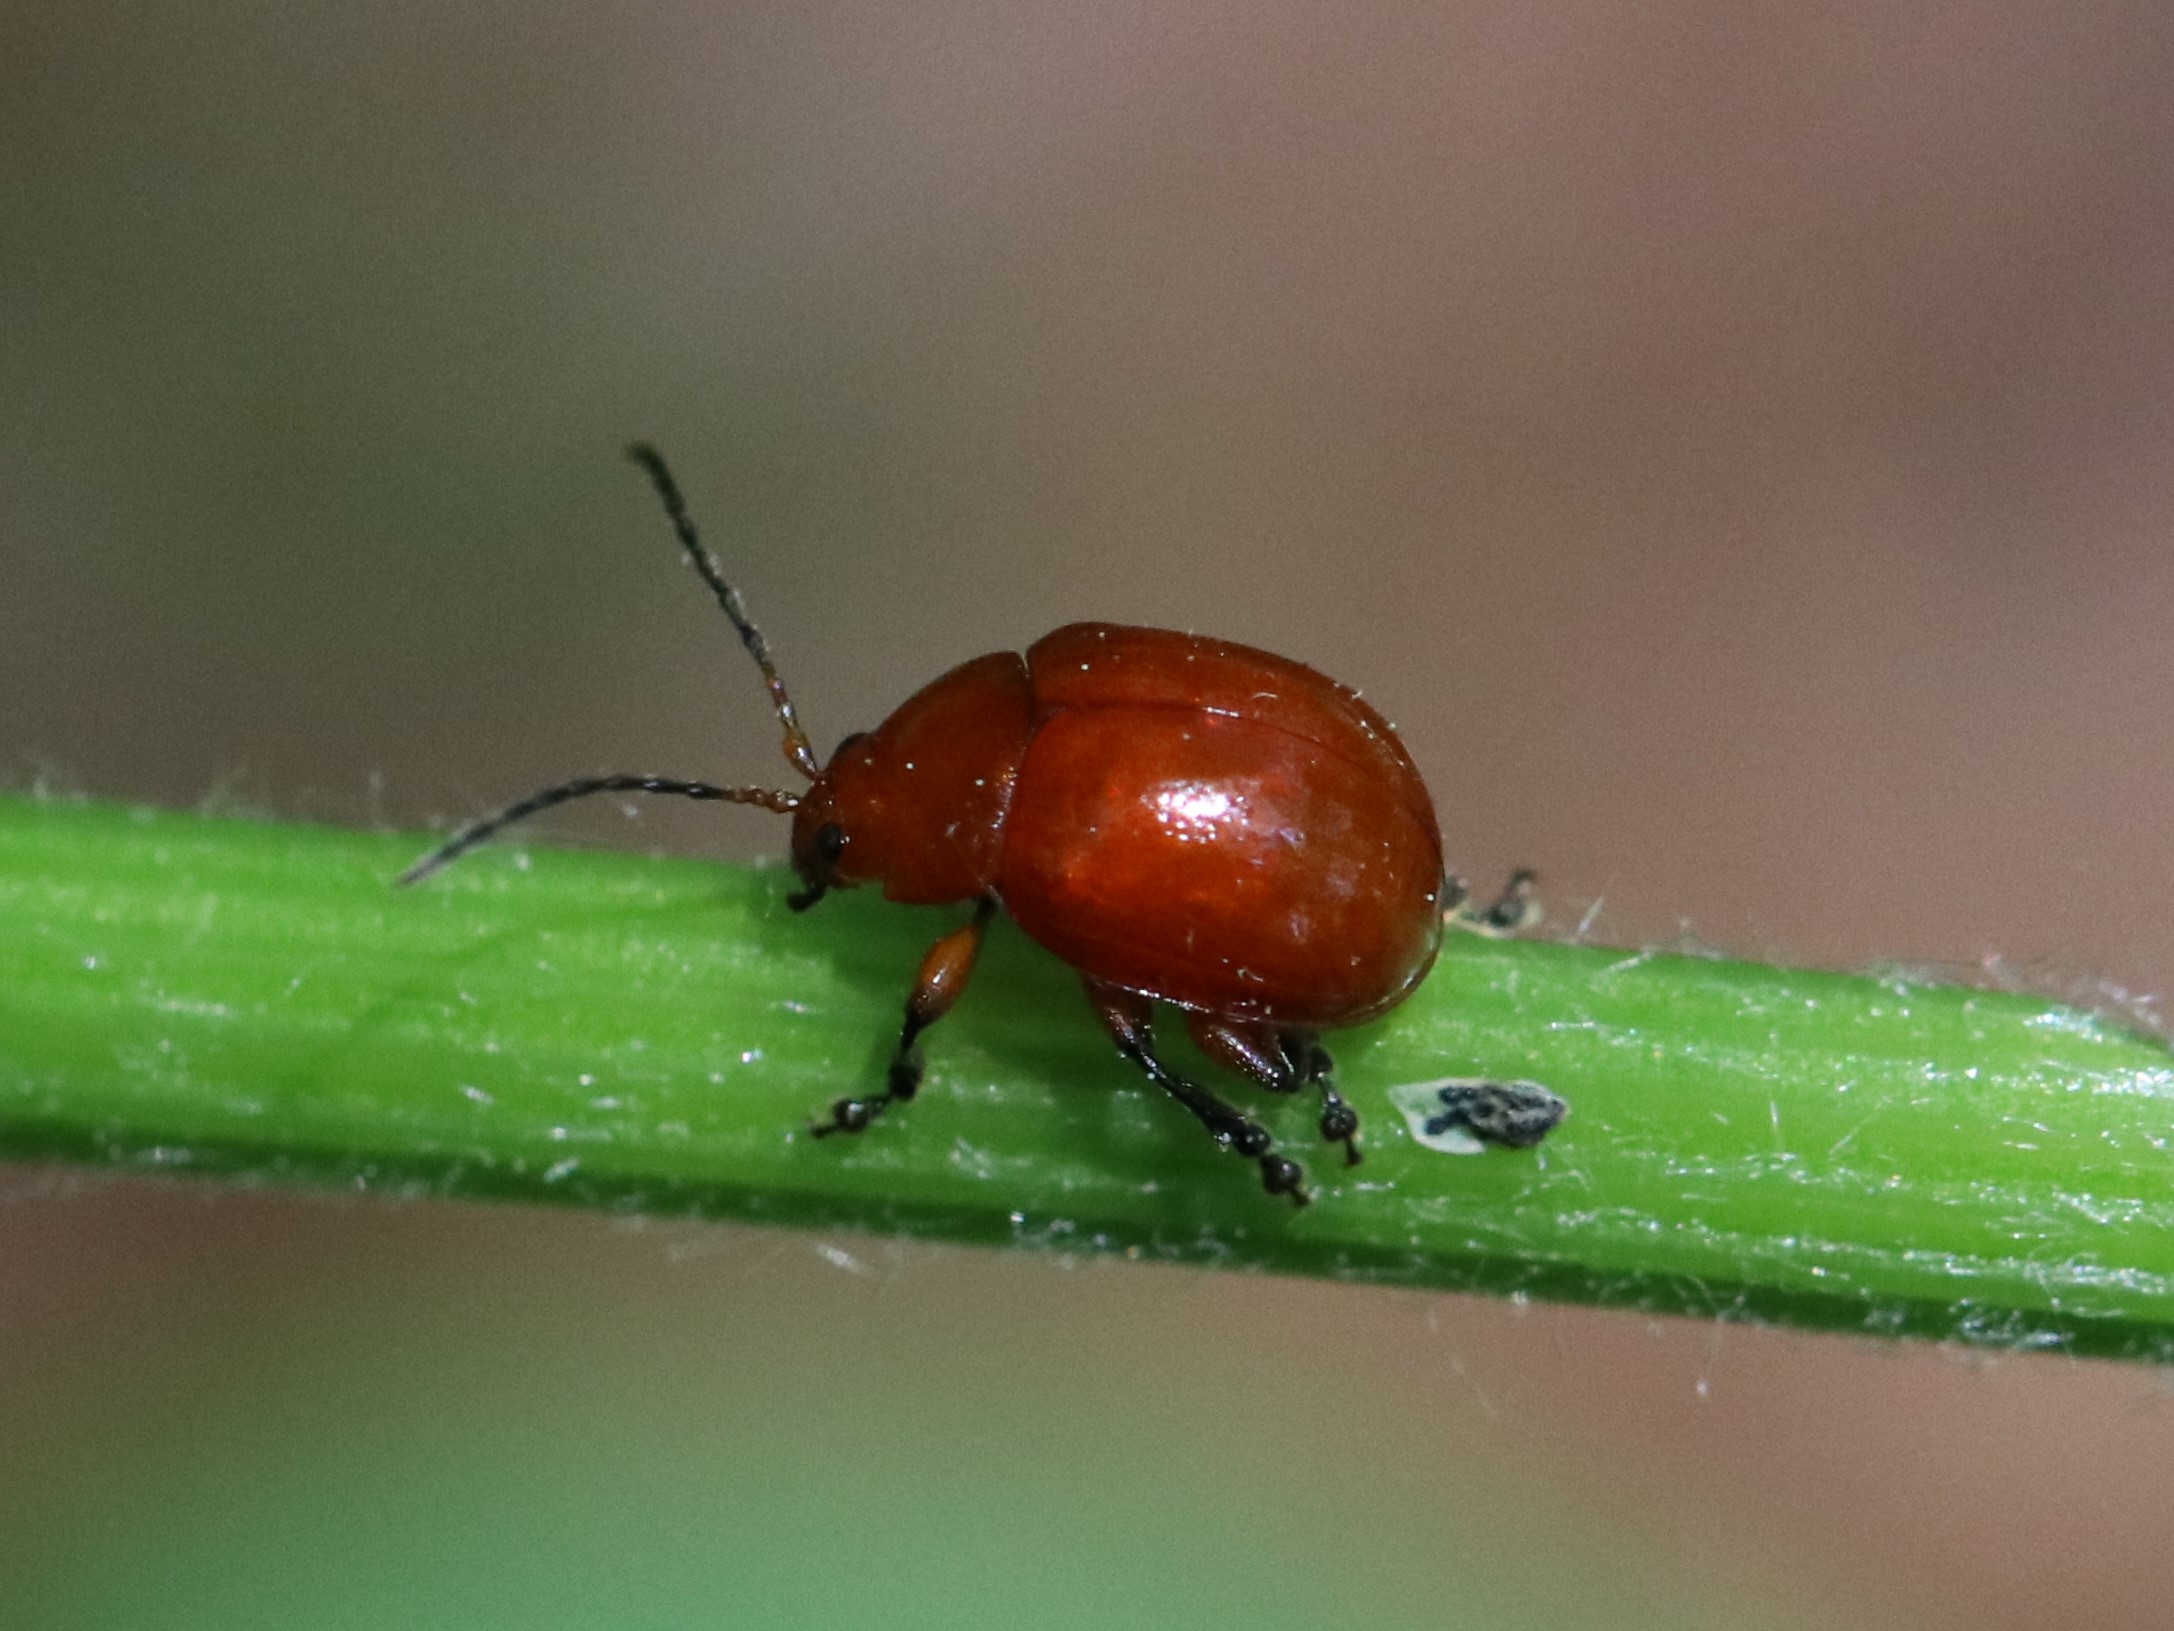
(182, 993)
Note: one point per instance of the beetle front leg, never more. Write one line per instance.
(1129, 1018)
(944, 973)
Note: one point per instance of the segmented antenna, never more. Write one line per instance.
(477, 832)
(797, 746)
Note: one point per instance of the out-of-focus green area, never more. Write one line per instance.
(564, 1425)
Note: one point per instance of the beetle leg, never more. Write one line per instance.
(944, 973)
(1282, 1062)
(1339, 1122)
(1130, 1020)
(1513, 909)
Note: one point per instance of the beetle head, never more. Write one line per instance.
(824, 823)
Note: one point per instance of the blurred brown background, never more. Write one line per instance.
(1733, 442)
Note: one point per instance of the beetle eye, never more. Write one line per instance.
(830, 842)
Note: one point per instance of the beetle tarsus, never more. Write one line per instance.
(904, 1079)
(850, 1116)
(901, 1083)
(1512, 910)
(1514, 907)
(1340, 1125)
(1339, 1122)
(1282, 1176)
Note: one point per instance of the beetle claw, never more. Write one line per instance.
(847, 1116)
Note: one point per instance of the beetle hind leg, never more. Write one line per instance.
(944, 973)
(1339, 1122)
(1282, 1062)
(1129, 1018)
(1512, 910)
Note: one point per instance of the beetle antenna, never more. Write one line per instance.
(477, 832)
(797, 746)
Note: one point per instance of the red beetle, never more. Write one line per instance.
(1181, 819)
